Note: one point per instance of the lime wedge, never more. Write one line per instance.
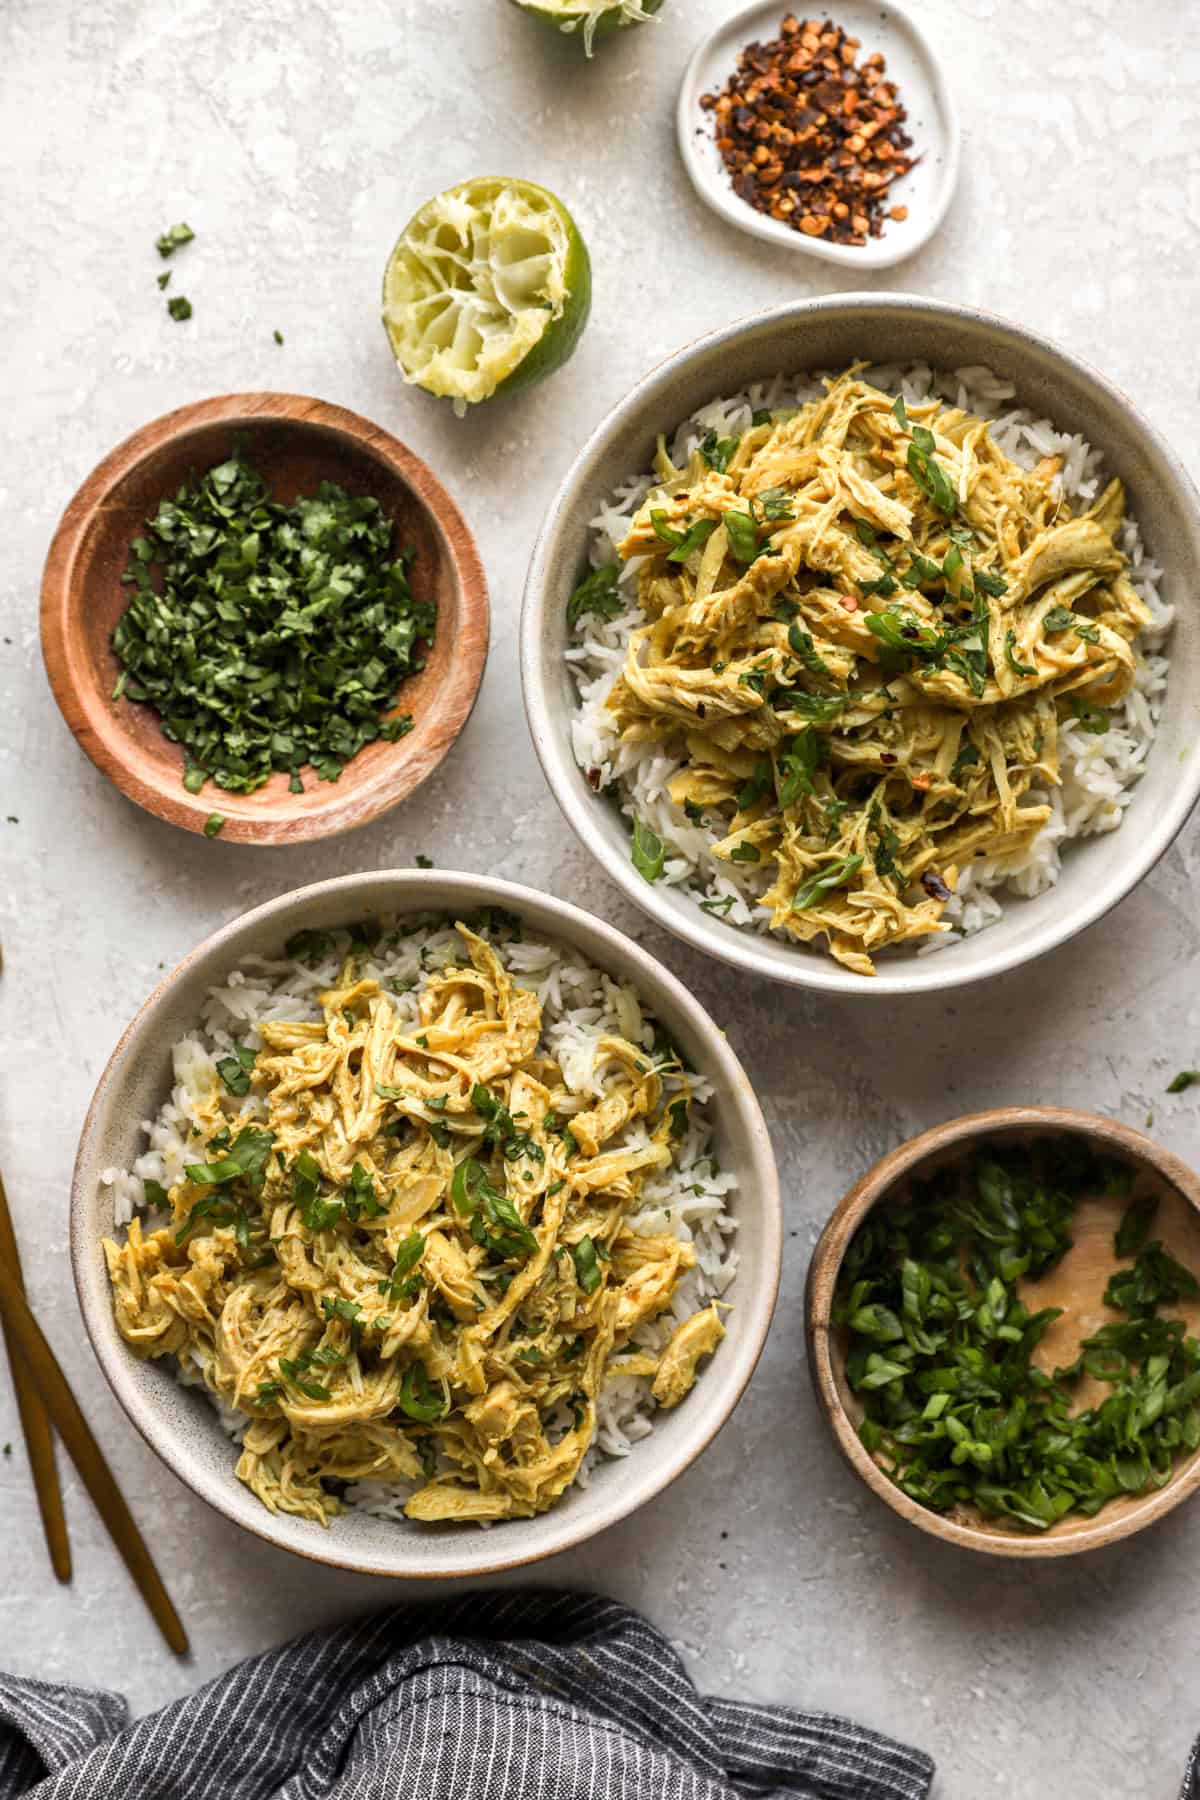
(487, 290)
(590, 18)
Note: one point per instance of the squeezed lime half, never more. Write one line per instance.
(590, 18)
(487, 291)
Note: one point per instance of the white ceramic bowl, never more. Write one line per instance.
(829, 334)
(924, 91)
(180, 1424)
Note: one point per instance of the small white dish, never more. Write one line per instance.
(912, 63)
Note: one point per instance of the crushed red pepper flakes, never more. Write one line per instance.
(812, 137)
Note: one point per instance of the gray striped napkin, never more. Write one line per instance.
(494, 1696)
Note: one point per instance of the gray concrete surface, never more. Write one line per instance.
(297, 139)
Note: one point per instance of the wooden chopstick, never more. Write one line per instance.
(21, 1326)
(35, 1422)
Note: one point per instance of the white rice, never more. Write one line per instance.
(1099, 772)
(580, 1004)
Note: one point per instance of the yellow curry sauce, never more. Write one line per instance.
(410, 1263)
(863, 625)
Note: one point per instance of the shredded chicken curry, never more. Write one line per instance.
(411, 1258)
(864, 624)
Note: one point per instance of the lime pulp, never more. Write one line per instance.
(590, 18)
(487, 290)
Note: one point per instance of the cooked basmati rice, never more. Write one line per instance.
(580, 1005)
(1099, 772)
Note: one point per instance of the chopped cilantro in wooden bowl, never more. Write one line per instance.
(266, 609)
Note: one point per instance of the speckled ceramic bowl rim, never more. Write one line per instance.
(647, 1471)
(870, 1191)
(1145, 838)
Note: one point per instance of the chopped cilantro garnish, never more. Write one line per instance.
(967, 758)
(797, 763)
(235, 1070)
(925, 470)
(403, 1283)
(173, 239)
(597, 594)
(298, 619)
(800, 643)
(1010, 655)
(587, 1269)
(717, 452)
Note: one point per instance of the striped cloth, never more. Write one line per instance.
(1191, 1775)
(494, 1696)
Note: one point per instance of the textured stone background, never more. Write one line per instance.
(297, 139)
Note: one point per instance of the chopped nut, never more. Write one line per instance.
(799, 117)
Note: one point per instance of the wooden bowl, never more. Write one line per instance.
(1076, 1285)
(295, 443)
